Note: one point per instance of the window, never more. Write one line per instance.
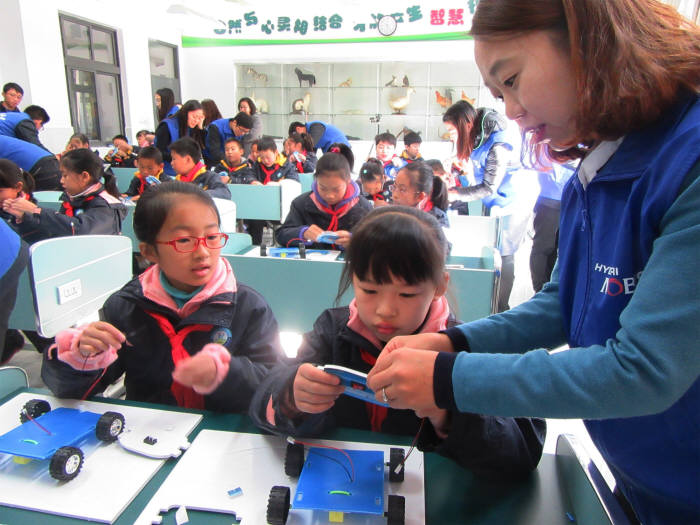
(94, 79)
(164, 69)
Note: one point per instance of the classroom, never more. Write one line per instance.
(349, 263)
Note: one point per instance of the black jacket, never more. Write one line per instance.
(241, 174)
(211, 183)
(286, 171)
(253, 343)
(93, 215)
(138, 186)
(303, 212)
(492, 447)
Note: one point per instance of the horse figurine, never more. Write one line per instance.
(399, 103)
(262, 77)
(308, 77)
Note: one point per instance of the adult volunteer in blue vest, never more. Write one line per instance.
(220, 130)
(42, 164)
(24, 125)
(505, 188)
(187, 122)
(322, 133)
(625, 293)
(13, 258)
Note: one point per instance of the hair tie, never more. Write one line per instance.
(335, 149)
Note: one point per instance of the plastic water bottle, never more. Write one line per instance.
(267, 236)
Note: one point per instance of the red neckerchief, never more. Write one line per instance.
(269, 171)
(26, 196)
(427, 206)
(333, 226)
(68, 209)
(377, 413)
(193, 173)
(300, 166)
(184, 395)
(378, 197)
(142, 186)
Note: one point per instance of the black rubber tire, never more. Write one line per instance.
(396, 457)
(35, 408)
(109, 426)
(396, 510)
(278, 505)
(294, 460)
(66, 463)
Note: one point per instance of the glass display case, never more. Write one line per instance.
(361, 99)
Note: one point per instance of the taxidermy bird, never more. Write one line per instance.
(301, 105)
(399, 103)
(445, 101)
(347, 83)
(470, 100)
(393, 82)
(405, 81)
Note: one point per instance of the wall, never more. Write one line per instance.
(31, 54)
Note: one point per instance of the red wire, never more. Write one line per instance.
(36, 423)
(295, 239)
(93, 385)
(352, 466)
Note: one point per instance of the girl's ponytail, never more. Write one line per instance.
(439, 194)
(110, 183)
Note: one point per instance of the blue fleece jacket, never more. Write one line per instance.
(627, 301)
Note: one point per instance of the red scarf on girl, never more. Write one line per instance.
(352, 192)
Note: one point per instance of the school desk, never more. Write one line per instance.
(557, 492)
(299, 290)
(268, 203)
(124, 177)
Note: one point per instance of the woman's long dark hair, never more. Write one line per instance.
(198, 135)
(167, 101)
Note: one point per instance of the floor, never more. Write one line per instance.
(30, 360)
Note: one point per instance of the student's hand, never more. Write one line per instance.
(343, 238)
(397, 162)
(405, 376)
(256, 183)
(19, 207)
(97, 337)
(197, 371)
(315, 391)
(427, 341)
(378, 203)
(312, 233)
(225, 179)
(438, 418)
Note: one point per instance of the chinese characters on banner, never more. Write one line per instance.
(418, 19)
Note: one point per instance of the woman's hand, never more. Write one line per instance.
(98, 337)
(343, 238)
(405, 376)
(19, 207)
(198, 371)
(428, 341)
(315, 391)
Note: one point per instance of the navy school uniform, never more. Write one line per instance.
(492, 447)
(241, 174)
(280, 170)
(138, 184)
(207, 180)
(306, 210)
(94, 213)
(218, 132)
(308, 166)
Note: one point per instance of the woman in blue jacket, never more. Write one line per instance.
(187, 122)
(582, 80)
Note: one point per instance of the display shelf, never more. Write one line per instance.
(351, 95)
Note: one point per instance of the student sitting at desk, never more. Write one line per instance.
(150, 164)
(234, 168)
(15, 183)
(372, 179)
(122, 154)
(184, 332)
(334, 204)
(271, 166)
(89, 207)
(299, 149)
(396, 264)
(416, 186)
(187, 162)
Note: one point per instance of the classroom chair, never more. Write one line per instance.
(123, 176)
(227, 213)
(589, 495)
(48, 199)
(12, 378)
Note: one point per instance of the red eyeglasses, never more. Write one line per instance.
(188, 244)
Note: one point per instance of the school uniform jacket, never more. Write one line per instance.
(238, 318)
(241, 174)
(303, 213)
(493, 447)
(95, 213)
(282, 170)
(308, 166)
(207, 180)
(138, 184)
